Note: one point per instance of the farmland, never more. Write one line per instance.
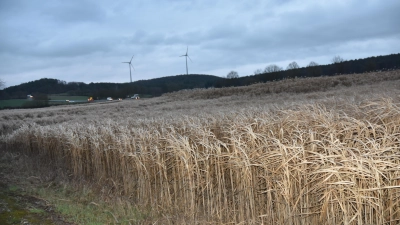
(298, 151)
(53, 100)
(68, 97)
(12, 103)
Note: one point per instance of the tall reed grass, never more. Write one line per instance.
(323, 161)
(307, 165)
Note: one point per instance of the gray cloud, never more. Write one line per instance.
(86, 40)
(71, 12)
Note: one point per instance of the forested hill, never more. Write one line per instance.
(153, 87)
(158, 86)
(378, 63)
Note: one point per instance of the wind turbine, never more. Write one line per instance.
(186, 55)
(130, 65)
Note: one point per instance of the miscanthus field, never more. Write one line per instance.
(301, 151)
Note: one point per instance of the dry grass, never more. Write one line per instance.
(328, 157)
(298, 85)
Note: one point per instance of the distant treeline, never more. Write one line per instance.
(153, 87)
(158, 86)
(378, 63)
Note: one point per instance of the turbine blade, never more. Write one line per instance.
(187, 49)
(132, 66)
(125, 62)
(131, 58)
(190, 59)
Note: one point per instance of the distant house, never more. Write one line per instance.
(29, 97)
(135, 96)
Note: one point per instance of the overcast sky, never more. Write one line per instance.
(86, 40)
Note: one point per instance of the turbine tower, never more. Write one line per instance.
(186, 55)
(130, 65)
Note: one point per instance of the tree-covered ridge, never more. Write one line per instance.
(273, 72)
(159, 86)
(153, 87)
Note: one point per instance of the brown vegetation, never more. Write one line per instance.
(307, 152)
(298, 85)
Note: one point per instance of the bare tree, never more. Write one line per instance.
(232, 74)
(339, 66)
(337, 59)
(258, 71)
(272, 68)
(312, 63)
(313, 69)
(292, 70)
(2, 84)
(293, 65)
